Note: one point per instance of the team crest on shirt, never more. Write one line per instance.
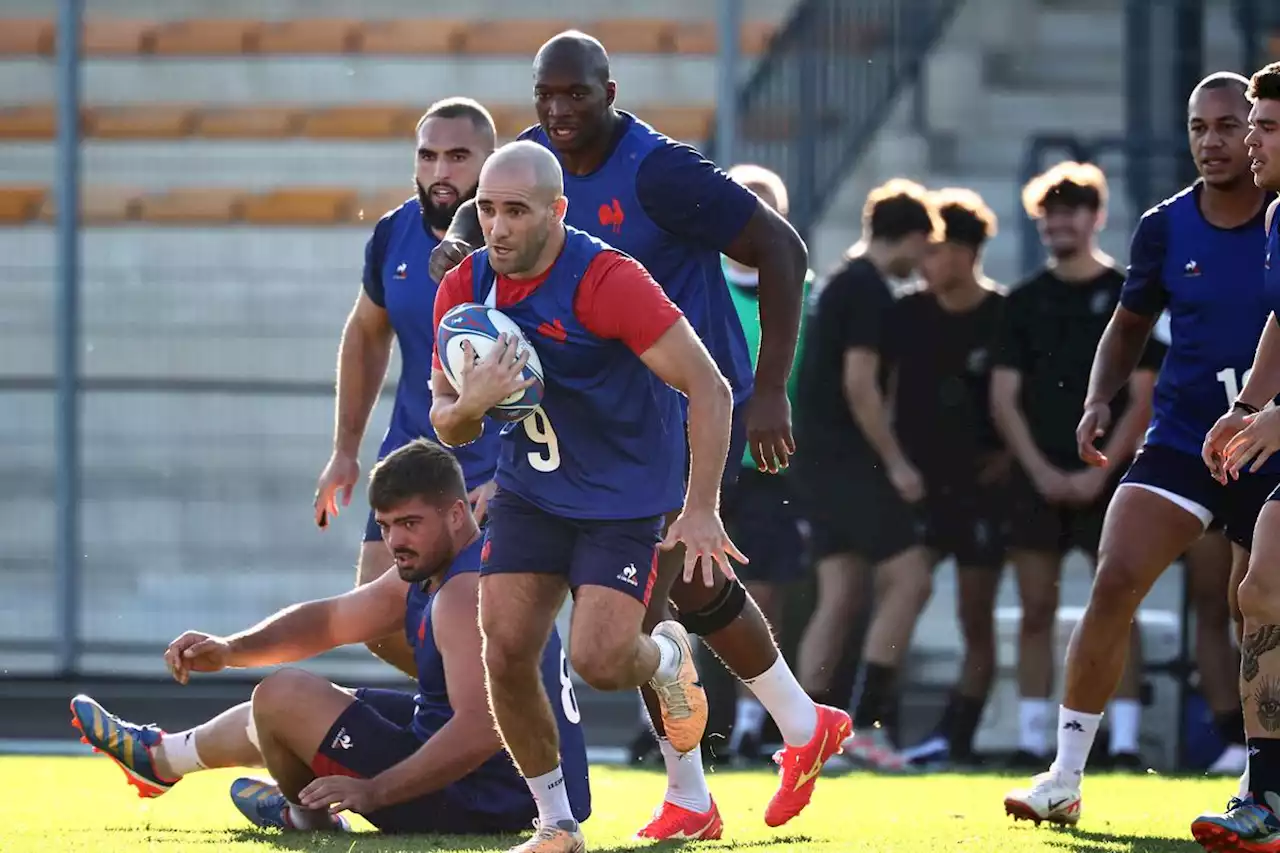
(402, 271)
(1191, 268)
(977, 361)
(1101, 302)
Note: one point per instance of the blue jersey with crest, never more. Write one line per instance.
(1210, 280)
(608, 441)
(496, 785)
(396, 279)
(667, 206)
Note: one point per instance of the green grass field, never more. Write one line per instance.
(56, 804)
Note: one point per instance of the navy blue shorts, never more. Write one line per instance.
(762, 518)
(524, 539)
(1233, 508)
(373, 735)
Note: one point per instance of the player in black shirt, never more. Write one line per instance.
(858, 486)
(945, 333)
(1052, 325)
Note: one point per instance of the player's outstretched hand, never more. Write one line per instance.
(446, 255)
(1254, 444)
(769, 429)
(1093, 425)
(339, 475)
(486, 382)
(1214, 449)
(341, 793)
(704, 538)
(196, 651)
(479, 499)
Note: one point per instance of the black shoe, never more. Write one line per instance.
(1024, 760)
(1127, 762)
(644, 748)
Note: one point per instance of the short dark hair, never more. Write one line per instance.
(1068, 184)
(420, 469)
(466, 108)
(899, 208)
(1264, 85)
(1221, 80)
(966, 218)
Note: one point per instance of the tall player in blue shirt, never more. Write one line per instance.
(671, 209)
(1243, 440)
(585, 481)
(425, 763)
(1199, 256)
(454, 137)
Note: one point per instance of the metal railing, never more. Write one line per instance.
(826, 85)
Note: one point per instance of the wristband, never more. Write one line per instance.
(1244, 407)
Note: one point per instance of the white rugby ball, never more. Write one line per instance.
(480, 326)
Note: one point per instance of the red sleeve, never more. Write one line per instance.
(455, 289)
(619, 300)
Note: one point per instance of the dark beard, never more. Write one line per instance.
(438, 218)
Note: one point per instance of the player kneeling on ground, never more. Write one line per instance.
(426, 763)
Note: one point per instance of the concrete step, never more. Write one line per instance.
(1023, 112)
(348, 80)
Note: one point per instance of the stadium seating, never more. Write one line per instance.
(239, 37)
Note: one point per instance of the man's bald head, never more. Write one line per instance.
(573, 52)
(527, 165)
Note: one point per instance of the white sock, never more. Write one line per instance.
(748, 719)
(1033, 725)
(1126, 719)
(1076, 731)
(686, 783)
(552, 797)
(788, 704)
(303, 818)
(179, 752)
(668, 660)
(644, 711)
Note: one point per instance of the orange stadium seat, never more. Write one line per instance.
(380, 121)
(702, 38)
(681, 123)
(151, 121)
(207, 37)
(26, 36)
(33, 122)
(117, 36)
(313, 36)
(413, 37)
(370, 206)
(217, 205)
(510, 37)
(248, 122)
(98, 205)
(510, 119)
(20, 204)
(635, 35)
(300, 206)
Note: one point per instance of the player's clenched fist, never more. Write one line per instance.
(704, 537)
(195, 651)
(446, 255)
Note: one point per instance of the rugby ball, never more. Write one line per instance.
(480, 326)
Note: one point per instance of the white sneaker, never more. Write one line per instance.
(1232, 762)
(1049, 798)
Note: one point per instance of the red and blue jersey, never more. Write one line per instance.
(496, 785)
(396, 258)
(1210, 280)
(609, 440)
(674, 211)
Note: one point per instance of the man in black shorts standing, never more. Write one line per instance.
(857, 483)
(1052, 324)
(947, 330)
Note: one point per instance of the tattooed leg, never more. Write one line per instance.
(1257, 644)
(1259, 596)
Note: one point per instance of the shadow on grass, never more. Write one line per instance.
(1090, 841)
(376, 843)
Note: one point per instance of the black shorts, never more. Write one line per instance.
(763, 520)
(966, 521)
(372, 735)
(1184, 479)
(850, 505)
(1036, 525)
(522, 538)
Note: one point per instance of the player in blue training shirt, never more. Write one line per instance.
(672, 210)
(585, 482)
(454, 137)
(1199, 256)
(425, 763)
(1243, 440)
